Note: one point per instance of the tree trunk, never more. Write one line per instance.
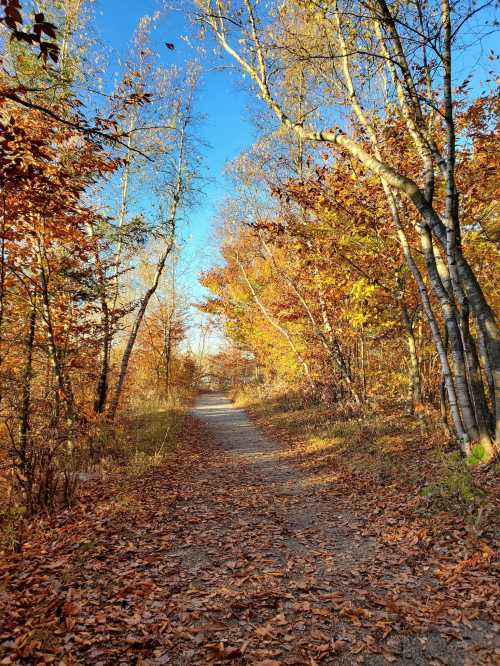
(135, 330)
(454, 336)
(415, 384)
(24, 463)
(103, 381)
(63, 383)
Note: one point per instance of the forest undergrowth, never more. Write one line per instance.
(380, 447)
(128, 449)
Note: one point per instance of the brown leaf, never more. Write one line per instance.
(265, 631)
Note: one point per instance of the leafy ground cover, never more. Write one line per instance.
(209, 558)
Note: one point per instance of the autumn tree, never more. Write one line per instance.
(66, 257)
(374, 61)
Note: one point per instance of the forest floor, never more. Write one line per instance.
(243, 549)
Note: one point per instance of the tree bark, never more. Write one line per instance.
(415, 384)
(24, 463)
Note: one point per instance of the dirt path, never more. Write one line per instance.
(235, 433)
(229, 554)
(319, 603)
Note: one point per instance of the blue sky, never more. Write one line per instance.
(225, 128)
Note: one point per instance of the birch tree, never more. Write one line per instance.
(174, 195)
(342, 50)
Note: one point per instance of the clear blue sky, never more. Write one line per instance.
(221, 101)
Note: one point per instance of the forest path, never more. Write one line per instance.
(295, 566)
(237, 434)
(229, 552)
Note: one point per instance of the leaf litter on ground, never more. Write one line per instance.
(206, 561)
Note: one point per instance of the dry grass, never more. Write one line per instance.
(120, 452)
(384, 445)
(152, 439)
